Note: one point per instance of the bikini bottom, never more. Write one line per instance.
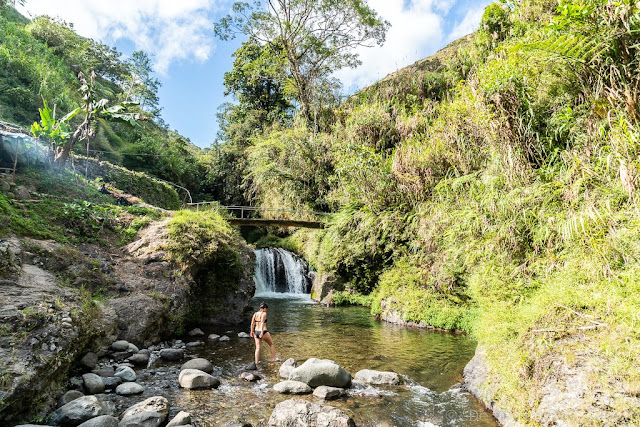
(260, 334)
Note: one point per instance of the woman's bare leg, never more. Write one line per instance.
(269, 341)
(258, 345)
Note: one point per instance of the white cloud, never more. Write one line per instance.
(469, 23)
(416, 29)
(170, 30)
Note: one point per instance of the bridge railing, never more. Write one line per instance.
(253, 212)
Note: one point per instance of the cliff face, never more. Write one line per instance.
(59, 302)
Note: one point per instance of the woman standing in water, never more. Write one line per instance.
(259, 332)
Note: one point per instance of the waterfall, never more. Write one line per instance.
(281, 271)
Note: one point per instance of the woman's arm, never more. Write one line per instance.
(253, 323)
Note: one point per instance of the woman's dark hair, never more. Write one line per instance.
(263, 305)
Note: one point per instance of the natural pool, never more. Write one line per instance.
(431, 363)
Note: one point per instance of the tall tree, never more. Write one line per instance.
(317, 37)
(258, 79)
(141, 85)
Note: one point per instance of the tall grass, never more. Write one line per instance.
(505, 204)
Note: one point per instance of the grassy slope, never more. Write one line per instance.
(31, 70)
(68, 209)
(515, 219)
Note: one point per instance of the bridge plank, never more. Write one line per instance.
(275, 222)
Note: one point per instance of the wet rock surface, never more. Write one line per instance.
(292, 387)
(328, 393)
(181, 419)
(150, 412)
(296, 412)
(193, 379)
(199, 364)
(317, 372)
(369, 376)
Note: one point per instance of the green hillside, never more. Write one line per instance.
(40, 60)
(492, 188)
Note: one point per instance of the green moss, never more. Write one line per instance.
(405, 290)
(209, 249)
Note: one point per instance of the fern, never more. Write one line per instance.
(573, 48)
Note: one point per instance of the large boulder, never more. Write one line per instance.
(193, 379)
(322, 285)
(181, 419)
(317, 372)
(292, 387)
(286, 368)
(79, 410)
(300, 413)
(148, 413)
(200, 364)
(328, 393)
(126, 373)
(172, 354)
(101, 421)
(127, 389)
(370, 376)
(93, 384)
(139, 359)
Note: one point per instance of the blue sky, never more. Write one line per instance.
(191, 63)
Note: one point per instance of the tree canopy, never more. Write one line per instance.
(316, 37)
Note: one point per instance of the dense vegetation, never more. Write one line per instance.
(40, 61)
(69, 210)
(491, 188)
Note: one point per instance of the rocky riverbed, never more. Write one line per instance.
(60, 301)
(127, 387)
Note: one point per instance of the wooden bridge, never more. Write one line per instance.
(255, 216)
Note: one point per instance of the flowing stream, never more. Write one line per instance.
(431, 363)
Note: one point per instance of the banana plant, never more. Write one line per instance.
(55, 132)
(59, 134)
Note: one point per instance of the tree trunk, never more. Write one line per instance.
(63, 155)
(302, 86)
